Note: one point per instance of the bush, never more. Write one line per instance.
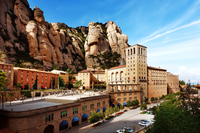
(143, 112)
(108, 117)
(143, 107)
(26, 93)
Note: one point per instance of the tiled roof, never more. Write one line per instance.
(92, 71)
(118, 67)
(155, 68)
(197, 86)
(35, 70)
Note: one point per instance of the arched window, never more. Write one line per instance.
(139, 50)
(133, 50)
(128, 52)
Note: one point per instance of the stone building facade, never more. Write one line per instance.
(54, 119)
(157, 85)
(172, 83)
(92, 78)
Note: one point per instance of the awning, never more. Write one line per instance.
(63, 123)
(125, 104)
(104, 109)
(119, 104)
(113, 105)
(98, 110)
(75, 119)
(84, 116)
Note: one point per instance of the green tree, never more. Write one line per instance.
(78, 84)
(116, 108)
(181, 82)
(94, 117)
(101, 114)
(35, 84)
(10, 95)
(53, 82)
(143, 107)
(129, 103)
(107, 112)
(152, 99)
(69, 70)
(174, 117)
(156, 99)
(121, 106)
(3, 79)
(146, 100)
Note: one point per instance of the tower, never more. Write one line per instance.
(136, 66)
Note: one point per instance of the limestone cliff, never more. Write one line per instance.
(29, 41)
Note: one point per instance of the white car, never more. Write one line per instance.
(120, 131)
(144, 123)
(124, 130)
(128, 129)
(152, 120)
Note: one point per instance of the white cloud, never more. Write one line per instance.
(170, 31)
(192, 74)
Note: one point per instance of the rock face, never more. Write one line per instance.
(117, 40)
(95, 43)
(27, 38)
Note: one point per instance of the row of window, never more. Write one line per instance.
(125, 99)
(48, 117)
(5, 66)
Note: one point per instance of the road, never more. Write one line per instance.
(130, 119)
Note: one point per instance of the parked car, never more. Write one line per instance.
(120, 131)
(144, 123)
(152, 120)
(128, 129)
(125, 130)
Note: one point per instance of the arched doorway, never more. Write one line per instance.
(84, 117)
(63, 125)
(49, 129)
(75, 121)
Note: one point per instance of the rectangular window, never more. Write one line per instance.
(118, 99)
(130, 98)
(91, 106)
(104, 102)
(98, 104)
(63, 114)
(75, 110)
(124, 94)
(124, 99)
(130, 94)
(84, 108)
(48, 117)
(135, 98)
(135, 93)
(118, 94)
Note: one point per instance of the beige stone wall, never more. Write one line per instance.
(157, 85)
(172, 83)
(85, 78)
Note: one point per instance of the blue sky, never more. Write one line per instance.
(169, 28)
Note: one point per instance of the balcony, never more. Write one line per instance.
(128, 80)
(133, 79)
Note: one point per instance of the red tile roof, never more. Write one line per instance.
(118, 67)
(197, 86)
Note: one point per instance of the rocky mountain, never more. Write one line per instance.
(27, 40)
